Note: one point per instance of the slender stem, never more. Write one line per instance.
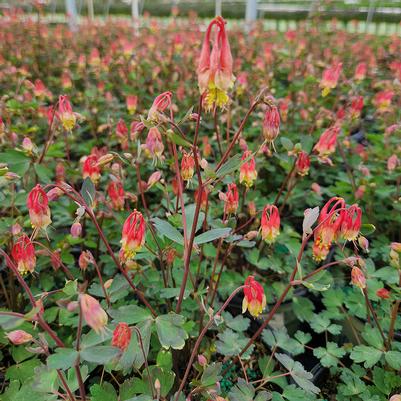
(217, 131)
(372, 311)
(200, 338)
(347, 166)
(100, 279)
(394, 313)
(50, 135)
(284, 183)
(78, 346)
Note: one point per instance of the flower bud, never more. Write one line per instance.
(37, 204)
(187, 166)
(84, 260)
(271, 124)
(358, 278)
(133, 235)
(270, 223)
(252, 208)
(231, 199)
(202, 360)
(153, 179)
(121, 336)
(72, 306)
(383, 293)
(395, 397)
(76, 230)
(105, 159)
(302, 164)
(248, 173)
(27, 144)
(251, 235)
(93, 313)
(18, 337)
(363, 243)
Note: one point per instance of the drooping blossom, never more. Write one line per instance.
(230, 199)
(270, 223)
(133, 235)
(65, 114)
(132, 103)
(115, 190)
(329, 223)
(358, 278)
(187, 166)
(121, 336)
(38, 207)
(154, 144)
(215, 69)
(160, 104)
(76, 230)
(382, 100)
(360, 71)
(23, 255)
(327, 142)
(302, 164)
(248, 172)
(330, 78)
(254, 297)
(122, 133)
(356, 107)
(392, 163)
(204, 199)
(351, 221)
(91, 168)
(271, 124)
(93, 313)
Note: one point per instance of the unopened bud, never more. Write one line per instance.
(72, 306)
(106, 159)
(202, 360)
(251, 235)
(76, 230)
(27, 144)
(18, 337)
(363, 243)
(10, 176)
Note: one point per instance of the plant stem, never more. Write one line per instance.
(372, 311)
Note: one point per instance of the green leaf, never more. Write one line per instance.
(101, 354)
(237, 323)
(298, 373)
(130, 314)
(287, 143)
(367, 229)
(190, 215)
(244, 391)
(229, 166)
(104, 392)
(63, 358)
(164, 359)
(177, 139)
(369, 355)
(170, 330)
(166, 378)
(8, 322)
(45, 380)
(303, 308)
(211, 235)
(165, 229)
(211, 375)
(329, 356)
(231, 343)
(393, 358)
(280, 338)
(88, 191)
(372, 336)
(22, 371)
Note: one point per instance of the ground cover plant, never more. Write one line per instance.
(191, 212)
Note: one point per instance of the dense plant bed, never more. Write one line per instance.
(199, 216)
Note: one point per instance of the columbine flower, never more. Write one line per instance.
(132, 102)
(65, 113)
(215, 69)
(326, 144)
(91, 169)
(230, 199)
(116, 193)
(18, 337)
(154, 144)
(23, 254)
(351, 221)
(392, 163)
(93, 313)
(360, 72)
(122, 133)
(161, 103)
(382, 100)
(254, 297)
(270, 223)
(329, 223)
(271, 123)
(121, 336)
(204, 199)
(247, 172)
(133, 235)
(187, 166)
(358, 278)
(38, 207)
(356, 107)
(330, 78)
(302, 164)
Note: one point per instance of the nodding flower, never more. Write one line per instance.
(154, 145)
(91, 169)
(247, 172)
(38, 207)
(326, 145)
(116, 193)
(23, 254)
(330, 78)
(351, 221)
(121, 336)
(360, 72)
(215, 69)
(161, 103)
(18, 337)
(254, 297)
(204, 197)
(356, 107)
(132, 103)
(358, 278)
(271, 123)
(382, 100)
(329, 224)
(187, 166)
(302, 164)
(270, 223)
(65, 114)
(133, 236)
(94, 315)
(122, 133)
(231, 199)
